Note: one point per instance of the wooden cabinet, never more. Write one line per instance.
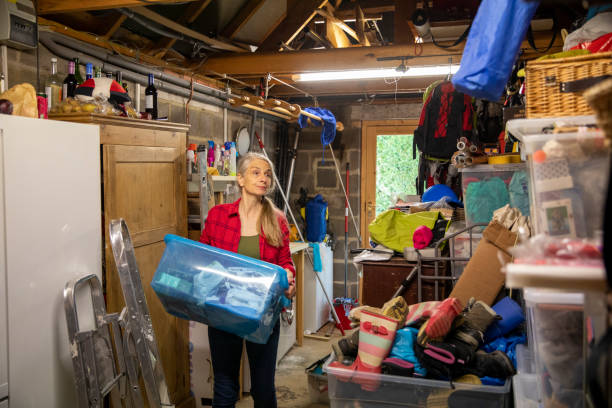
(144, 182)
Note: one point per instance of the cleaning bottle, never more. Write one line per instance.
(232, 163)
(217, 163)
(211, 153)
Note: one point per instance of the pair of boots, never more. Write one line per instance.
(456, 354)
(375, 338)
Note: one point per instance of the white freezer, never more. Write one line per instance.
(50, 232)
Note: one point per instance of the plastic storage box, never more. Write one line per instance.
(397, 391)
(556, 335)
(568, 174)
(487, 187)
(525, 382)
(225, 290)
(460, 248)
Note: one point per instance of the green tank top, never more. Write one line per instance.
(249, 246)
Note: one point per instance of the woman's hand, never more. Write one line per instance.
(289, 293)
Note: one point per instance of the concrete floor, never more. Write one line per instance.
(291, 380)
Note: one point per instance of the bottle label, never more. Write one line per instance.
(148, 101)
(49, 97)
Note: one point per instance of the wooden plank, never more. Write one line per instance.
(191, 14)
(115, 26)
(346, 58)
(63, 6)
(298, 261)
(401, 29)
(360, 26)
(166, 22)
(296, 20)
(241, 18)
(334, 34)
(337, 22)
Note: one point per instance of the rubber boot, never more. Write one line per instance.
(376, 335)
(473, 323)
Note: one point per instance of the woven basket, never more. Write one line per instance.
(545, 79)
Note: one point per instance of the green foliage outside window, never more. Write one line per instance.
(396, 171)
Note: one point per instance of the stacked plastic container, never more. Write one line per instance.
(487, 187)
(398, 391)
(555, 329)
(525, 382)
(225, 290)
(568, 174)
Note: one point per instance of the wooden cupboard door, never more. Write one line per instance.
(145, 186)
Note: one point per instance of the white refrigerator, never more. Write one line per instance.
(50, 232)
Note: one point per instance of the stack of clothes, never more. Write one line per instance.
(440, 340)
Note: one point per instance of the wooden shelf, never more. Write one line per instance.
(580, 278)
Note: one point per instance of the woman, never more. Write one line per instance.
(251, 226)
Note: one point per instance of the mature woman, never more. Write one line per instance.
(254, 227)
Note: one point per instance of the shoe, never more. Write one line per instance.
(397, 366)
(346, 347)
(440, 321)
(420, 311)
(496, 364)
(376, 335)
(396, 308)
(472, 324)
(444, 359)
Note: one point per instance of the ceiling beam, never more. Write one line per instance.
(338, 23)
(189, 16)
(241, 18)
(63, 6)
(166, 22)
(360, 26)
(115, 26)
(298, 16)
(349, 58)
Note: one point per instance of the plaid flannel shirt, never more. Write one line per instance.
(222, 230)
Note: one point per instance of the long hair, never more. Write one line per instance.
(268, 219)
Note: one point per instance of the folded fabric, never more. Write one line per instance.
(394, 229)
(422, 237)
(512, 317)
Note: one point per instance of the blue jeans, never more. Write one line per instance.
(226, 351)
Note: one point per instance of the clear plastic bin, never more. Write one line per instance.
(460, 248)
(568, 174)
(525, 391)
(397, 391)
(223, 289)
(524, 360)
(556, 336)
(487, 187)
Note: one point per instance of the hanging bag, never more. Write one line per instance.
(492, 47)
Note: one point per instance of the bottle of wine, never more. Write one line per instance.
(77, 72)
(88, 71)
(53, 86)
(98, 72)
(70, 82)
(151, 98)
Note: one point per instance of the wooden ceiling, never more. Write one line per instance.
(245, 43)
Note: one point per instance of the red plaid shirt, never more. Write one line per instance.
(222, 230)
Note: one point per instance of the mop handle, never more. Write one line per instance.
(331, 305)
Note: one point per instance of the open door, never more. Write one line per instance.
(386, 164)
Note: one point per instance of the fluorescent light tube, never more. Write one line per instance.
(423, 71)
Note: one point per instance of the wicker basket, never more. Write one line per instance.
(547, 78)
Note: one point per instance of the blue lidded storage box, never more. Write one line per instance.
(226, 290)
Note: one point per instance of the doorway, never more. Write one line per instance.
(387, 167)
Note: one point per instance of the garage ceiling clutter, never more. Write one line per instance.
(277, 45)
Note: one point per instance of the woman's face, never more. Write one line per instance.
(257, 178)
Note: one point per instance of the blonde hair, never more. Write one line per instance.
(268, 218)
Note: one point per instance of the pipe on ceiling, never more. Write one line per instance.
(70, 48)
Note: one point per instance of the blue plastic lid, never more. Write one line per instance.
(437, 191)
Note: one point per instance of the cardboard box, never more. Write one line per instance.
(482, 277)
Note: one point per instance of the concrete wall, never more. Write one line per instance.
(314, 167)
(316, 172)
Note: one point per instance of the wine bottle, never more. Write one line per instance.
(53, 86)
(70, 82)
(98, 72)
(77, 72)
(88, 71)
(151, 98)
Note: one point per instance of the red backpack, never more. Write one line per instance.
(446, 116)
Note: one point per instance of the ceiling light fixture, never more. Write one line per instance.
(421, 71)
